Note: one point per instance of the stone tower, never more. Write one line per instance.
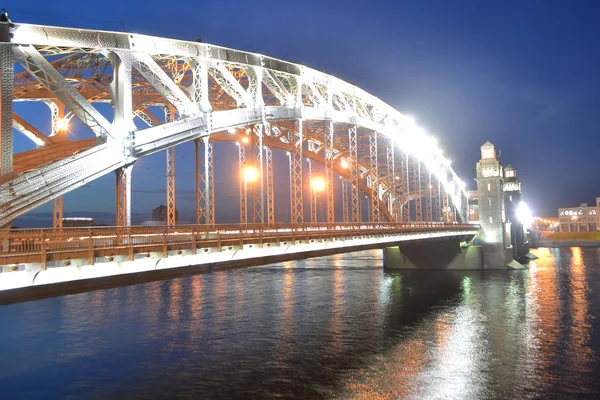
(512, 199)
(495, 235)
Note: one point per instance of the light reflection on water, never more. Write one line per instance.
(334, 327)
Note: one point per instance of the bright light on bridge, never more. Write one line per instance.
(62, 124)
(318, 184)
(524, 214)
(250, 174)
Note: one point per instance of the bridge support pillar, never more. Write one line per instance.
(123, 196)
(495, 231)
(433, 254)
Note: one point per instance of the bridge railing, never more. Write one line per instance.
(41, 245)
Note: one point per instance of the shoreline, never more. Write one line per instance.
(566, 243)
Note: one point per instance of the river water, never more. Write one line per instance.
(333, 327)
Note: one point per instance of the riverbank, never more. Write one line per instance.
(566, 243)
(567, 239)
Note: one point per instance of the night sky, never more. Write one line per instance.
(523, 76)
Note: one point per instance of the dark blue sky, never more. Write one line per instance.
(523, 75)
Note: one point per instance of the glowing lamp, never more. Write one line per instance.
(524, 214)
(250, 174)
(62, 124)
(317, 184)
(344, 164)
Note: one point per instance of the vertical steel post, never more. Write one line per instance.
(200, 184)
(56, 115)
(374, 177)
(345, 200)
(391, 173)
(57, 214)
(258, 186)
(270, 187)
(209, 181)
(419, 199)
(297, 210)
(354, 173)
(312, 200)
(428, 200)
(199, 88)
(171, 209)
(440, 213)
(170, 167)
(243, 187)
(291, 181)
(329, 183)
(123, 197)
(7, 77)
(446, 208)
(405, 189)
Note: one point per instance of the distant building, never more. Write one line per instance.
(580, 219)
(77, 222)
(159, 214)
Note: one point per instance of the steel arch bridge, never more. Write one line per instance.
(165, 92)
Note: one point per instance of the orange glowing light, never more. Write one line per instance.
(62, 124)
(344, 164)
(245, 139)
(250, 174)
(318, 184)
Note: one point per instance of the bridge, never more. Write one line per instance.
(137, 95)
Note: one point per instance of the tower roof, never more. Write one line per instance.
(488, 151)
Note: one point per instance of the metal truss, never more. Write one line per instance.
(258, 193)
(205, 204)
(440, 207)
(419, 194)
(6, 109)
(57, 213)
(392, 202)
(45, 73)
(354, 173)
(345, 201)
(428, 201)
(123, 196)
(243, 185)
(446, 208)
(291, 181)
(329, 182)
(312, 199)
(297, 190)
(170, 175)
(270, 186)
(213, 89)
(374, 177)
(198, 90)
(405, 188)
(164, 85)
(171, 209)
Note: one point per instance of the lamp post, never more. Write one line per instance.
(249, 175)
(317, 184)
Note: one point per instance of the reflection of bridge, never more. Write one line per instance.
(137, 95)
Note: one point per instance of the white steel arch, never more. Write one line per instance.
(211, 89)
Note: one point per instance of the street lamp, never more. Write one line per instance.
(250, 174)
(318, 185)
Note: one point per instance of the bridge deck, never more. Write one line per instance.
(30, 246)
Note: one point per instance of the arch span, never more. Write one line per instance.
(209, 88)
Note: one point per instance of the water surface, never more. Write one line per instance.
(333, 327)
